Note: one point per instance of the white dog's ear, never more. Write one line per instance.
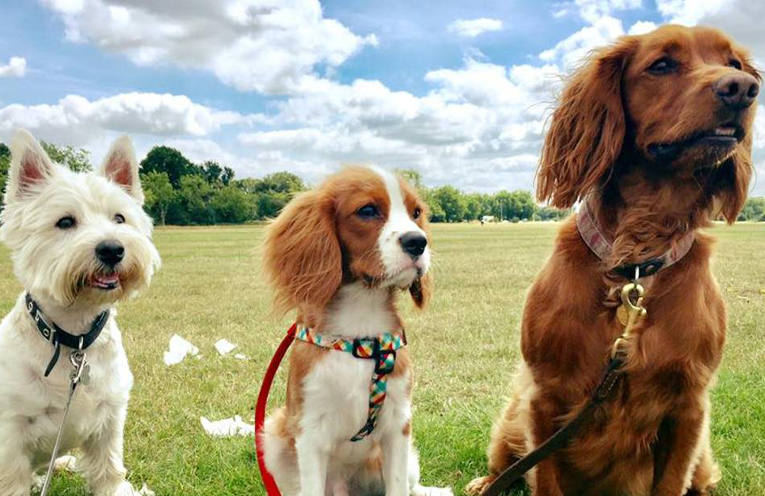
(121, 167)
(30, 167)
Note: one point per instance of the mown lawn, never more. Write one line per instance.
(464, 346)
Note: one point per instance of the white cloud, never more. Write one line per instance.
(592, 10)
(570, 51)
(78, 121)
(470, 28)
(16, 67)
(268, 46)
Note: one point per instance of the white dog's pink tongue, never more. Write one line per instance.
(106, 281)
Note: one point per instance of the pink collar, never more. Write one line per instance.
(596, 240)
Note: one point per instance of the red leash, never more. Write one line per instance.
(260, 409)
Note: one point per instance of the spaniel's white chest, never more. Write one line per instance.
(336, 395)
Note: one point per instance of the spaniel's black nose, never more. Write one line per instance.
(737, 91)
(413, 243)
(110, 252)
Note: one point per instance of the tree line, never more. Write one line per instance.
(180, 192)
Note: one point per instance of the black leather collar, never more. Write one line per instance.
(58, 337)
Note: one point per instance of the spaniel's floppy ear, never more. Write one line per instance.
(731, 182)
(421, 289)
(588, 127)
(302, 253)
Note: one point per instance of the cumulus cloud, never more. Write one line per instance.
(570, 51)
(470, 28)
(76, 120)
(269, 46)
(592, 10)
(16, 67)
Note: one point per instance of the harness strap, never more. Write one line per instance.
(562, 436)
(382, 349)
(58, 337)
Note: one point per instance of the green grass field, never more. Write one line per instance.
(464, 347)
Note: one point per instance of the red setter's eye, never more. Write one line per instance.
(369, 211)
(735, 64)
(663, 65)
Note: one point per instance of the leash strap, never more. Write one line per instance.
(562, 437)
(382, 349)
(260, 410)
(79, 367)
(57, 336)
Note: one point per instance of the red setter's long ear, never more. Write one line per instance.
(588, 127)
(302, 253)
(732, 180)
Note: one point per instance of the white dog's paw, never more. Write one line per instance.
(123, 489)
(66, 463)
(419, 490)
(37, 482)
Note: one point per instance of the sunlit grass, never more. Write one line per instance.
(464, 347)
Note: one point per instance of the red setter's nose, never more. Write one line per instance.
(737, 91)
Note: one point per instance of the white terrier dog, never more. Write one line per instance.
(80, 242)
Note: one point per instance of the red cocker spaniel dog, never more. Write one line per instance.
(653, 134)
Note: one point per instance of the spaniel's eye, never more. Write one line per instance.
(119, 218)
(417, 212)
(735, 64)
(369, 211)
(67, 222)
(664, 65)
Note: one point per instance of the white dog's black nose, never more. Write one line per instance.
(110, 252)
(413, 243)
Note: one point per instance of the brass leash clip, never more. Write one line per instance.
(629, 313)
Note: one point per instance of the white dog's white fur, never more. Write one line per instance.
(56, 266)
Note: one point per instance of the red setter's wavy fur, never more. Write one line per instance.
(637, 129)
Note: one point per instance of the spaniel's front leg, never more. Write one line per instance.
(395, 448)
(312, 458)
(679, 444)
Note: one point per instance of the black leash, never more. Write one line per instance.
(561, 438)
(58, 337)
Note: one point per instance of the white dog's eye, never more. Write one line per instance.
(369, 211)
(119, 218)
(417, 212)
(67, 222)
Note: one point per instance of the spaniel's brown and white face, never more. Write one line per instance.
(362, 224)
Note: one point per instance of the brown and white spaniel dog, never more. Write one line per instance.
(338, 255)
(654, 133)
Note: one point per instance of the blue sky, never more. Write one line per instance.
(456, 90)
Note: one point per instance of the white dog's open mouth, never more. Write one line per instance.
(105, 281)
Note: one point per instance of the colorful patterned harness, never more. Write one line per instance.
(382, 349)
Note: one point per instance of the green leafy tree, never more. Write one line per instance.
(159, 195)
(232, 205)
(5, 163)
(412, 177)
(191, 202)
(451, 202)
(754, 210)
(170, 161)
(76, 159)
(280, 182)
(473, 206)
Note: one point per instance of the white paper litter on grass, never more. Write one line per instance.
(224, 346)
(179, 348)
(227, 427)
(240, 356)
